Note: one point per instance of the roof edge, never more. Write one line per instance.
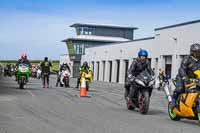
(177, 25)
(139, 39)
(142, 39)
(108, 26)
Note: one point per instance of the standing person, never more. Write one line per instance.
(45, 67)
(84, 67)
(161, 78)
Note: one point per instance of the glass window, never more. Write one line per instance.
(83, 49)
(79, 48)
(85, 31)
(79, 30)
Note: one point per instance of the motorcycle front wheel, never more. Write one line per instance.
(198, 110)
(21, 84)
(144, 102)
(172, 115)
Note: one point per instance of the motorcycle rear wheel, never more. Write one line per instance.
(129, 107)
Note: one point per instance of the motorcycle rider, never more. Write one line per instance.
(64, 66)
(8, 70)
(138, 65)
(13, 69)
(22, 60)
(1, 69)
(45, 68)
(84, 67)
(161, 77)
(186, 71)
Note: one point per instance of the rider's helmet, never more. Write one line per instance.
(143, 52)
(85, 64)
(195, 50)
(64, 62)
(33, 65)
(24, 56)
(46, 58)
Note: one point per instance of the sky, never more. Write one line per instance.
(37, 27)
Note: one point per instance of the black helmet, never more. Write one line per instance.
(195, 50)
(85, 64)
(46, 58)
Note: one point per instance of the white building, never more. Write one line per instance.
(166, 50)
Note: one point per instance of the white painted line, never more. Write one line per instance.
(30, 92)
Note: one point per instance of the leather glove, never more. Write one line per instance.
(197, 81)
(131, 78)
(186, 80)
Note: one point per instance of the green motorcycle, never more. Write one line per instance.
(23, 73)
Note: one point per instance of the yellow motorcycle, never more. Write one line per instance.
(188, 103)
(87, 74)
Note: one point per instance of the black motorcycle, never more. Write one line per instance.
(7, 72)
(143, 88)
(1, 70)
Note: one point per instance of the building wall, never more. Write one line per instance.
(176, 42)
(118, 54)
(165, 51)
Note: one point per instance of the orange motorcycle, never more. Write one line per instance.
(188, 103)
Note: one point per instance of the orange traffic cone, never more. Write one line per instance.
(83, 90)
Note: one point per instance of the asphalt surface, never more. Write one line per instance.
(61, 110)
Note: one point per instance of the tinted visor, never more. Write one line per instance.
(196, 54)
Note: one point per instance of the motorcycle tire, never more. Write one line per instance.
(172, 115)
(144, 100)
(129, 107)
(66, 84)
(21, 84)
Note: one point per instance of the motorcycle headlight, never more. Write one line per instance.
(140, 82)
(151, 83)
(145, 78)
(22, 69)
